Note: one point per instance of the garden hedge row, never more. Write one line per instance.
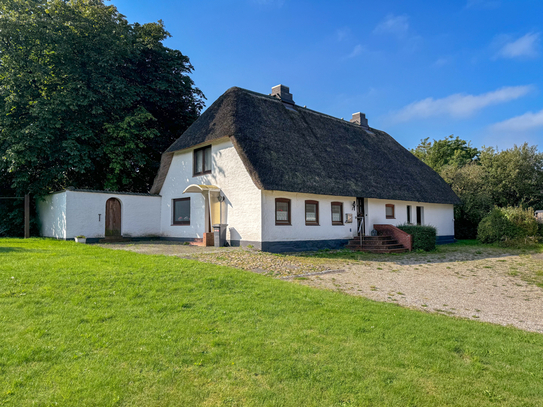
(509, 223)
(424, 237)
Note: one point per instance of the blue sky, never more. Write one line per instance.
(418, 69)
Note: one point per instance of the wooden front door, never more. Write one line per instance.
(113, 217)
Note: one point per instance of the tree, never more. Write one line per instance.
(485, 178)
(89, 100)
(471, 185)
(515, 175)
(451, 151)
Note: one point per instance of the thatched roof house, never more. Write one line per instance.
(286, 147)
(280, 176)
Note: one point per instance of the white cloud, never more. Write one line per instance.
(524, 47)
(458, 105)
(526, 122)
(356, 51)
(396, 25)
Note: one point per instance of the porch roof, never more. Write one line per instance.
(201, 188)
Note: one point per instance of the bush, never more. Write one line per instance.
(424, 237)
(540, 229)
(510, 223)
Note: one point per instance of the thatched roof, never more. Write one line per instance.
(290, 148)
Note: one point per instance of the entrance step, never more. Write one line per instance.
(376, 244)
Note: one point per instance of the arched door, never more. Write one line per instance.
(113, 217)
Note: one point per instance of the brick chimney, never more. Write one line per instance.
(360, 119)
(283, 93)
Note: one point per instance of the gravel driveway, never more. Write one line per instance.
(489, 289)
(487, 284)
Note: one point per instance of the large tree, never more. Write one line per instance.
(88, 100)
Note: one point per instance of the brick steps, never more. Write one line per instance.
(376, 244)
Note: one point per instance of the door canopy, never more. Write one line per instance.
(201, 188)
(213, 206)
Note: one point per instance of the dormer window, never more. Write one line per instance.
(202, 161)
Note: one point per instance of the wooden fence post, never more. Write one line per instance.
(27, 216)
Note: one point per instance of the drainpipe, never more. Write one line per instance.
(209, 206)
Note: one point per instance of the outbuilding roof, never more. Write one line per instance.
(294, 149)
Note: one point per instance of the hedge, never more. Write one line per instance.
(509, 223)
(424, 237)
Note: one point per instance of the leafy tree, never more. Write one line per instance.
(471, 186)
(89, 100)
(451, 151)
(514, 176)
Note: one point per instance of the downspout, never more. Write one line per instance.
(209, 208)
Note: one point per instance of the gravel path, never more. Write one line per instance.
(489, 289)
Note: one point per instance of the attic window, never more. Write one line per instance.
(282, 211)
(337, 213)
(202, 161)
(389, 208)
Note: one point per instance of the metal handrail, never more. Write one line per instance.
(360, 227)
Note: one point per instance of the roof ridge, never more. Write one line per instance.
(295, 106)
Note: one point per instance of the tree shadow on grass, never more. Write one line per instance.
(14, 249)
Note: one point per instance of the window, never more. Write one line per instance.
(312, 213)
(408, 213)
(202, 160)
(181, 211)
(420, 215)
(337, 213)
(389, 208)
(282, 211)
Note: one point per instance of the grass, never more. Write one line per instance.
(86, 326)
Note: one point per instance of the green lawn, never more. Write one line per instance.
(82, 326)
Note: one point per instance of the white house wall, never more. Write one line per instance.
(86, 214)
(441, 216)
(52, 215)
(241, 208)
(298, 230)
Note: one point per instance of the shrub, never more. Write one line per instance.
(510, 223)
(424, 237)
